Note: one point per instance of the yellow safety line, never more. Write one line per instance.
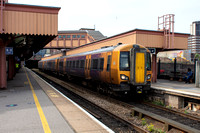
(39, 108)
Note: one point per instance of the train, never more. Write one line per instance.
(120, 69)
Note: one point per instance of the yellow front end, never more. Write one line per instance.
(136, 74)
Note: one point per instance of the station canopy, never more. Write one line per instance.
(27, 28)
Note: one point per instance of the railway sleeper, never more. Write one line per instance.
(168, 124)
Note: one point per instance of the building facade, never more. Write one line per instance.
(70, 39)
(194, 39)
(74, 38)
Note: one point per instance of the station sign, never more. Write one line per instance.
(9, 50)
(152, 50)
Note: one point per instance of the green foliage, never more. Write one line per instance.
(150, 128)
(158, 103)
(143, 122)
(197, 56)
(169, 107)
(185, 112)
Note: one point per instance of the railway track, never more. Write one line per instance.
(113, 121)
(121, 111)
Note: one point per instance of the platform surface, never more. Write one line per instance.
(177, 87)
(29, 105)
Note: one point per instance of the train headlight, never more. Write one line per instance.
(123, 77)
(148, 76)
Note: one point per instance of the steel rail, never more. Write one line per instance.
(74, 89)
(168, 123)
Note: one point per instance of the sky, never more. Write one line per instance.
(112, 17)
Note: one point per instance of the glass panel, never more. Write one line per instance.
(77, 64)
(74, 64)
(124, 61)
(82, 63)
(108, 63)
(148, 61)
(94, 63)
(101, 63)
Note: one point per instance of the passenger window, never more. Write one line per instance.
(61, 63)
(67, 63)
(108, 63)
(101, 64)
(70, 64)
(82, 63)
(77, 64)
(74, 64)
(95, 64)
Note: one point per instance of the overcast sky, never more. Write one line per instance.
(112, 17)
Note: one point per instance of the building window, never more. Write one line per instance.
(73, 36)
(68, 36)
(64, 36)
(82, 36)
(60, 37)
(78, 36)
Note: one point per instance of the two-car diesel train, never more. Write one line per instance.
(122, 69)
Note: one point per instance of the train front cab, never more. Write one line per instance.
(132, 67)
(140, 69)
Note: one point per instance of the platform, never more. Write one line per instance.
(177, 87)
(29, 104)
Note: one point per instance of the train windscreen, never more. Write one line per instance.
(148, 65)
(124, 61)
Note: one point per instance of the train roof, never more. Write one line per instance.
(103, 49)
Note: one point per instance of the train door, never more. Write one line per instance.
(137, 66)
(108, 67)
(87, 66)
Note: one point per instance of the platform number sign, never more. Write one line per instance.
(152, 50)
(9, 50)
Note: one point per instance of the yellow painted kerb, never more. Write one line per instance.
(39, 108)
